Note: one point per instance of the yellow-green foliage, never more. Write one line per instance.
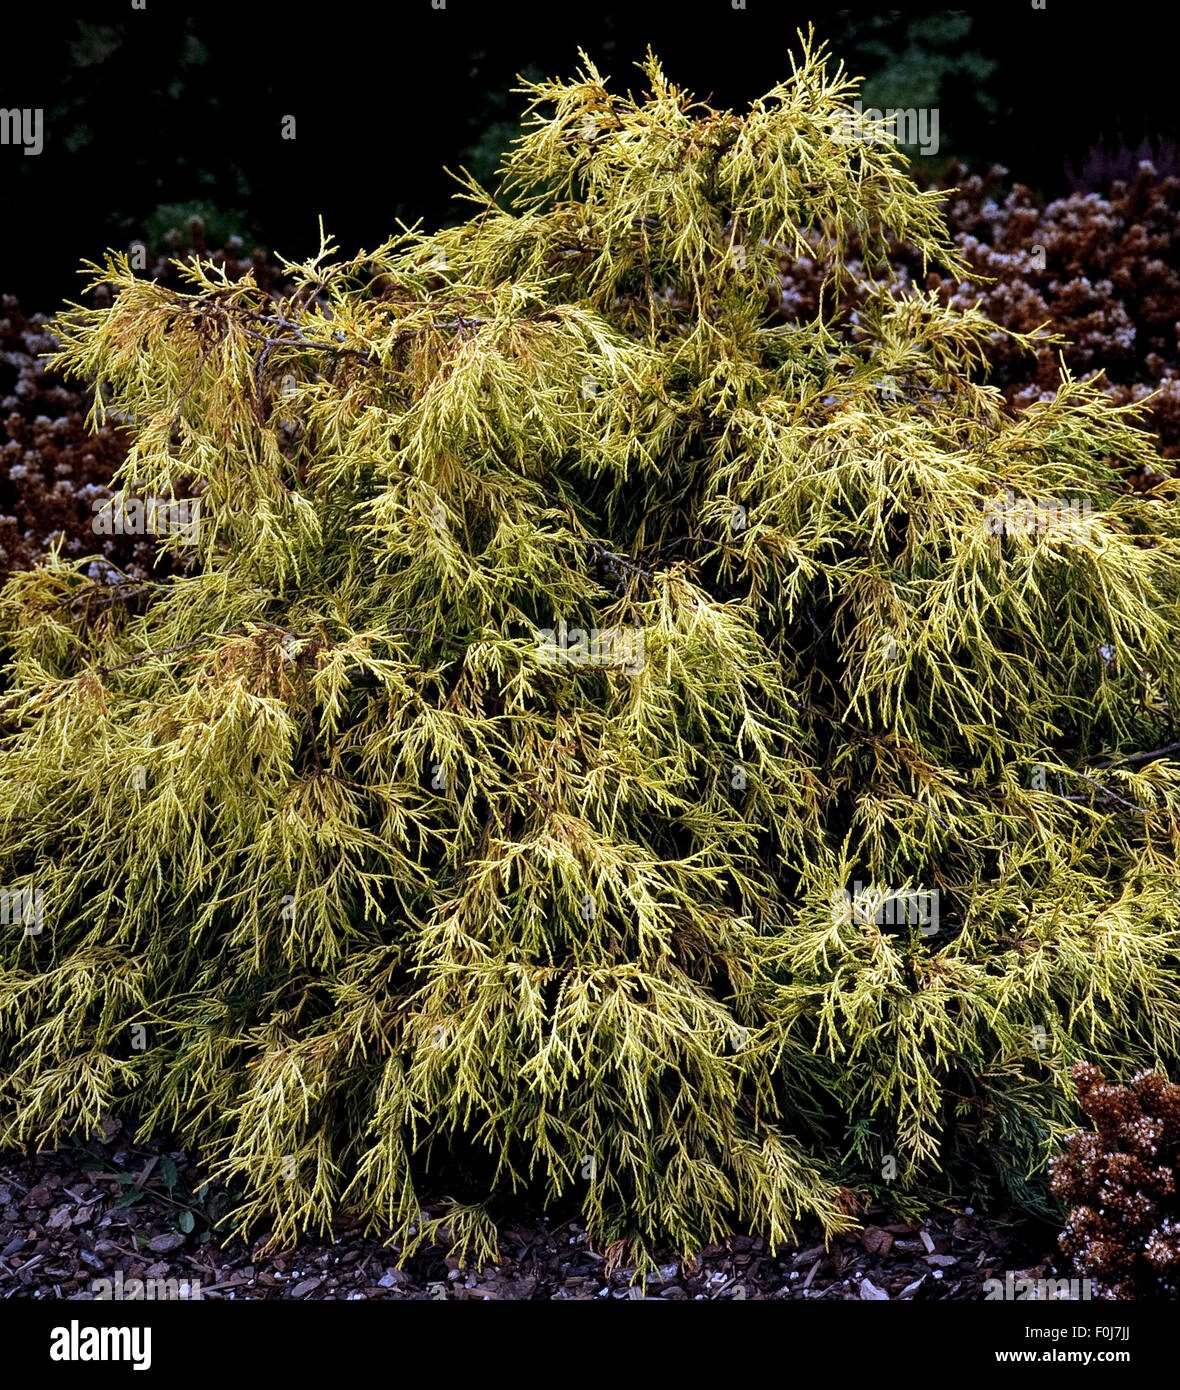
(391, 892)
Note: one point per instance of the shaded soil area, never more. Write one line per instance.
(123, 1212)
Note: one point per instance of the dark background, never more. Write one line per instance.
(151, 115)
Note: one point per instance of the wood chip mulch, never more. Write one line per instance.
(119, 1211)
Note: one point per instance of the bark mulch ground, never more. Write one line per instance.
(140, 1212)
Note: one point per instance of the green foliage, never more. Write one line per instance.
(918, 61)
(484, 155)
(934, 56)
(170, 220)
(402, 898)
(158, 1182)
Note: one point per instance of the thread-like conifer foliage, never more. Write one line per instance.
(604, 743)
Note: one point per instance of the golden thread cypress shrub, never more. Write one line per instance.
(396, 890)
(1119, 1181)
